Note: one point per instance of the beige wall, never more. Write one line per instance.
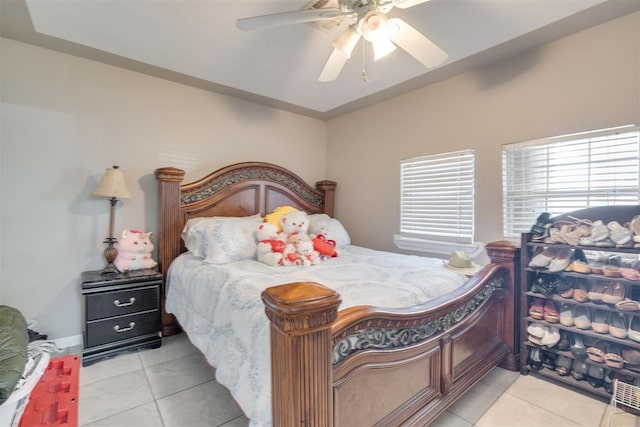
(65, 119)
(589, 80)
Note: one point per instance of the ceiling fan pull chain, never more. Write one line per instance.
(365, 76)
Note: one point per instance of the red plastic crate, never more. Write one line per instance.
(54, 400)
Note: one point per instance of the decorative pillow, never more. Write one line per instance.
(219, 240)
(335, 229)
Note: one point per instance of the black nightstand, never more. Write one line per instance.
(122, 312)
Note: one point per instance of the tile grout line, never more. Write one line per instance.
(155, 401)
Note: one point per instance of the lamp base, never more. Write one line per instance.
(109, 269)
(110, 254)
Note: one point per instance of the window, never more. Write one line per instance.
(562, 174)
(437, 197)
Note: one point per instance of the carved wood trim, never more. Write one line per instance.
(390, 334)
(301, 374)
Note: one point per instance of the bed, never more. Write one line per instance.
(319, 356)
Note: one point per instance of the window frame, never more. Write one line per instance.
(608, 172)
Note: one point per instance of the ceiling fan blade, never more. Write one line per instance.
(334, 66)
(289, 18)
(403, 4)
(416, 44)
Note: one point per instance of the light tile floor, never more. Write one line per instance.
(174, 386)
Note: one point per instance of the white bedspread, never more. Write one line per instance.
(220, 308)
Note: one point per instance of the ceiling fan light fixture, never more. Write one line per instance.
(374, 30)
(348, 40)
(382, 48)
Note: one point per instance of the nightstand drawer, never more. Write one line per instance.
(117, 303)
(119, 328)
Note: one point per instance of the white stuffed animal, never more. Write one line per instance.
(308, 255)
(294, 221)
(270, 244)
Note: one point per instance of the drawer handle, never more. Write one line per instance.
(118, 329)
(117, 302)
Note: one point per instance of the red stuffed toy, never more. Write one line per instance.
(326, 247)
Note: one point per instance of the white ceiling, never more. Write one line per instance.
(197, 42)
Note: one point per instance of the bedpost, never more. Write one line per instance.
(507, 254)
(301, 316)
(169, 227)
(329, 190)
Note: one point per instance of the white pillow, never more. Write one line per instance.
(219, 240)
(335, 229)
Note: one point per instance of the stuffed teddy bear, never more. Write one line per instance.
(134, 251)
(308, 255)
(294, 221)
(270, 245)
(275, 216)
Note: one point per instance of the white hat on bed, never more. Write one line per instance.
(459, 261)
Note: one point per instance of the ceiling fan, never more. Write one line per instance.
(367, 19)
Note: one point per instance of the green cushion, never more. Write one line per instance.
(14, 340)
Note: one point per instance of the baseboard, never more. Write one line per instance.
(71, 341)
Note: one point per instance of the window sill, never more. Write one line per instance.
(436, 247)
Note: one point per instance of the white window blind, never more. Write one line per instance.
(562, 174)
(437, 197)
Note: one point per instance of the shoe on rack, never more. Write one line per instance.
(563, 365)
(631, 359)
(634, 328)
(619, 234)
(543, 259)
(597, 268)
(581, 291)
(612, 271)
(542, 225)
(599, 231)
(581, 230)
(596, 292)
(551, 336)
(579, 267)
(582, 317)
(536, 330)
(536, 310)
(630, 273)
(550, 312)
(613, 357)
(614, 293)
(561, 261)
(579, 370)
(548, 360)
(563, 344)
(595, 376)
(577, 346)
(618, 325)
(596, 352)
(568, 290)
(566, 315)
(600, 321)
(534, 359)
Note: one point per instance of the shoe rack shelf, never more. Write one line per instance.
(530, 293)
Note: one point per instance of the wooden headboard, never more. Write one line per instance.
(240, 189)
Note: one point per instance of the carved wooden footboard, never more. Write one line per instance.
(360, 366)
(365, 366)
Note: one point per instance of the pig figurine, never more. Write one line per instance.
(134, 251)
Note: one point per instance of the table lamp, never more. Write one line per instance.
(114, 187)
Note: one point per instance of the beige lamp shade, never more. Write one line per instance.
(113, 184)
